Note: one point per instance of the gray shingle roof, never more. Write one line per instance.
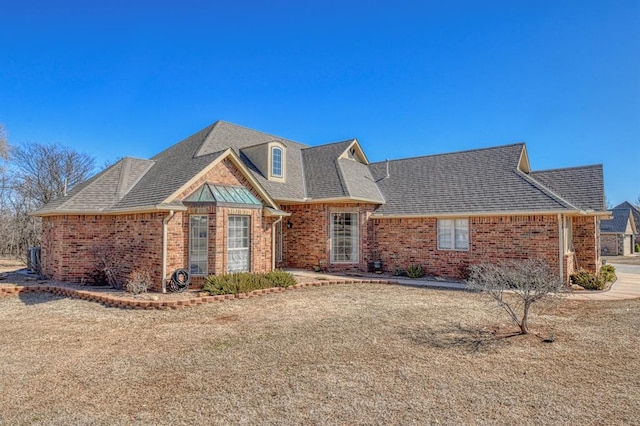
(635, 212)
(618, 224)
(227, 135)
(329, 176)
(104, 190)
(581, 186)
(479, 181)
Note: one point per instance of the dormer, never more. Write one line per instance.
(270, 158)
(354, 152)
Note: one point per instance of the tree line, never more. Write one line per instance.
(32, 175)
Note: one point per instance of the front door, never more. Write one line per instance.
(238, 244)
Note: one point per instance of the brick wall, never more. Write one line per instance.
(307, 242)
(586, 240)
(71, 243)
(409, 241)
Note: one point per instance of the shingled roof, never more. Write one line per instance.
(635, 212)
(477, 181)
(619, 222)
(328, 175)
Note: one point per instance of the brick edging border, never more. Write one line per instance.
(128, 303)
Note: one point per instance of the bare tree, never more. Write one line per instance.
(529, 281)
(44, 172)
(31, 175)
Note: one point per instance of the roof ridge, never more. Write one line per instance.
(258, 131)
(588, 166)
(326, 145)
(452, 153)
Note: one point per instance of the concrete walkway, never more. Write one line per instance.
(627, 286)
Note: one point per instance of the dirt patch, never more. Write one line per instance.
(343, 354)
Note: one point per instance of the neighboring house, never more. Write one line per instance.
(619, 234)
(233, 199)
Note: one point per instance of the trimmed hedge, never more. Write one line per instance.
(245, 282)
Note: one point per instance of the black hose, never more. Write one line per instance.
(180, 280)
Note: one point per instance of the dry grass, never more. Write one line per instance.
(352, 354)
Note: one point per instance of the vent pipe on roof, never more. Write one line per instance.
(387, 176)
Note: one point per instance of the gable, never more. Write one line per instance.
(223, 173)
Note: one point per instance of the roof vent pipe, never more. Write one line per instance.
(387, 176)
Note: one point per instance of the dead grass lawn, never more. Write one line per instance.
(349, 354)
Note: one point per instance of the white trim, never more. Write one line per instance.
(355, 251)
(481, 214)
(452, 234)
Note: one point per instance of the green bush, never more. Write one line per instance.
(637, 248)
(245, 282)
(280, 278)
(587, 280)
(415, 271)
(608, 273)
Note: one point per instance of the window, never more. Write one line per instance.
(344, 237)
(568, 235)
(198, 242)
(238, 244)
(276, 162)
(453, 234)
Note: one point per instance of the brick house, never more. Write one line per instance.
(619, 234)
(231, 199)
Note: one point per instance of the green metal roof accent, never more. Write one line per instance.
(209, 193)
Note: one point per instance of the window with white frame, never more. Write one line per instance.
(238, 245)
(198, 242)
(568, 235)
(453, 234)
(276, 161)
(344, 237)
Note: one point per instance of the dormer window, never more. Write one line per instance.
(276, 162)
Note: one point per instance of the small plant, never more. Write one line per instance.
(245, 282)
(637, 247)
(415, 271)
(608, 273)
(398, 272)
(280, 278)
(138, 282)
(587, 280)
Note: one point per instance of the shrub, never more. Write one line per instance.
(245, 282)
(608, 273)
(415, 271)
(138, 282)
(587, 280)
(280, 278)
(637, 248)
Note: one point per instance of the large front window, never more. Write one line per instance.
(198, 241)
(344, 237)
(238, 244)
(453, 234)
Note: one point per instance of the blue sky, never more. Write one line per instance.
(126, 78)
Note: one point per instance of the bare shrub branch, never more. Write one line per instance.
(528, 281)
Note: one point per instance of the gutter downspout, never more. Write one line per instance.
(165, 223)
(273, 243)
(561, 247)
